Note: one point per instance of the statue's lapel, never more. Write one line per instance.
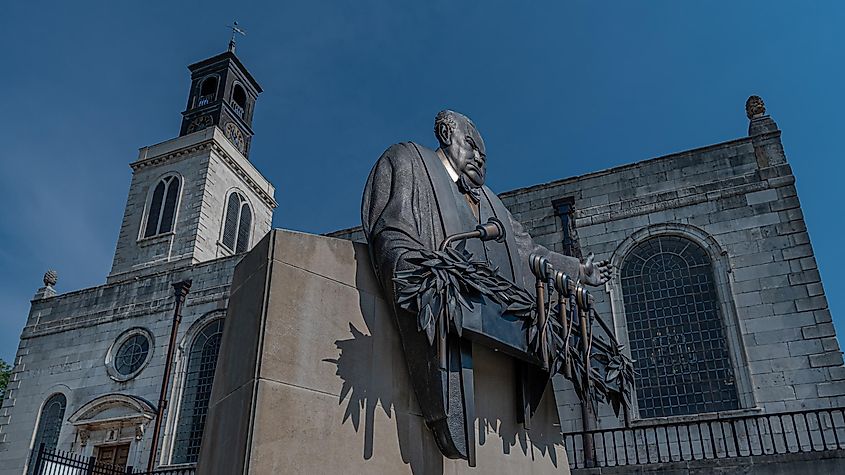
(443, 195)
(497, 208)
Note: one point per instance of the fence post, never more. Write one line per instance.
(129, 470)
(39, 459)
(92, 462)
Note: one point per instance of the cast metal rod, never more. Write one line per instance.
(180, 292)
(543, 271)
(492, 230)
(587, 420)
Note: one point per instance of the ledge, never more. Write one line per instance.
(158, 238)
(701, 417)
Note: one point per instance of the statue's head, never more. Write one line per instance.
(462, 145)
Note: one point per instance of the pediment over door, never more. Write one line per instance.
(113, 410)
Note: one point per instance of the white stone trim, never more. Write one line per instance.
(244, 198)
(148, 202)
(55, 389)
(115, 346)
(724, 293)
(177, 385)
(210, 138)
(85, 414)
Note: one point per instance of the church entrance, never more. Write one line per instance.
(114, 455)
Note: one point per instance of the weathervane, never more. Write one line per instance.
(235, 30)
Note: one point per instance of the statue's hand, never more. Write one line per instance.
(595, 273)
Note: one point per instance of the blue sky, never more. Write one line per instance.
(557, 88)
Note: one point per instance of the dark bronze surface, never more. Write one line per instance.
(454, 281)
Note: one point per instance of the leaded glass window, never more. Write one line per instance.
(162, 211)
(50, 423)
(675, 330)
(202, 360)
(132, 354)
(238, 223)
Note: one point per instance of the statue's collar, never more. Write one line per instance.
(449, 168)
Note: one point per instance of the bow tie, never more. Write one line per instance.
(464, 186)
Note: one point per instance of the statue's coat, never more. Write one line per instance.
(411, 203)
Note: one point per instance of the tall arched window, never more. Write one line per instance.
(208, 91)
(239, 100)
(237, 224)
(50, 422)
(162, 211)
(675, 330)
(202, 359)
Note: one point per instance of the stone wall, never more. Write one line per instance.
(748, 217)
(210, 168)
(64, 345)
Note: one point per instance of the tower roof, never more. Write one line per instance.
(226, 55)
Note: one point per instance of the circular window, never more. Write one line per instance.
(129, 354)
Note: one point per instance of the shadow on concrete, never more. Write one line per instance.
(386, 387)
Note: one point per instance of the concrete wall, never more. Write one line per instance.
(64, 345)
(312, 378)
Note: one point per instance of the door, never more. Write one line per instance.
(114, 455)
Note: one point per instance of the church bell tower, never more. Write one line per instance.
(223, 93)
(197, 197)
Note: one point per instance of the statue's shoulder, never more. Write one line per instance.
(408, 150)
(404, 155)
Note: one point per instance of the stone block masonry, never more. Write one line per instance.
(66, 340)
(738, 201)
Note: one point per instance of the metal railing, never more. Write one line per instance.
(205, 100)
(238, 109)
(59, 462)
(723, 437)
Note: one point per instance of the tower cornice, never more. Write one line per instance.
(212, 139)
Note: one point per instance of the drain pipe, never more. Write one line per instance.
(180, 291)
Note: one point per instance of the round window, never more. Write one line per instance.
(129, 354)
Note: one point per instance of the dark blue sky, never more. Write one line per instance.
(557, 88)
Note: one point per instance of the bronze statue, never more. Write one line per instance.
(415, 198)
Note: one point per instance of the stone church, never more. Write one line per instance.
(732, 322)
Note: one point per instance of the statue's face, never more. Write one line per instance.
(466, 153)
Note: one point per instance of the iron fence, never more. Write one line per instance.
(723, 437)
(59, 462)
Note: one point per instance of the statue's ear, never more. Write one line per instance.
(444, 134)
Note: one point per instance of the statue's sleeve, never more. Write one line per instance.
(570, 266)
(388, 214)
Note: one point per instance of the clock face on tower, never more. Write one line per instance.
(235, 135)
(200, 123)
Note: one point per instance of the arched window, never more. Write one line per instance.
(162, 211)
(239, 100)
(675, 330)
(50, 422)
(208, 91)
(237, 224)
(202, 359)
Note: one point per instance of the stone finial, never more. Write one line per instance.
(50, 278)
(754, 107)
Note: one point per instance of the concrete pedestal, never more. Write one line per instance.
(312, 378)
